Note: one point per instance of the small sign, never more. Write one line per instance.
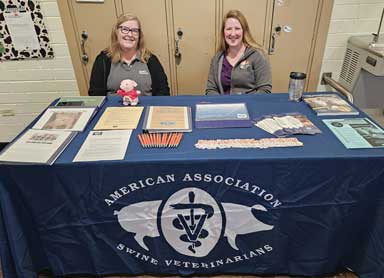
(22, 30)
(7, 113)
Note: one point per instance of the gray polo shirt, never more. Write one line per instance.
(137, 71)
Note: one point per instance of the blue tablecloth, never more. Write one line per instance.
(305, 211)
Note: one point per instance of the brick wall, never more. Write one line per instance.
(349, 17)
(26, 87)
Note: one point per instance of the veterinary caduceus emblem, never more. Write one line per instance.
(191, 222)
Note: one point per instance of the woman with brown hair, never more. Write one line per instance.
(240, 65)
(127, 58)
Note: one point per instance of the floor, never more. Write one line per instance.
(376, 114)
(339, 275)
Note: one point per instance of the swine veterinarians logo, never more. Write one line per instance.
(191, 221)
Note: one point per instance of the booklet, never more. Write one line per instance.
(222, 115)
(167, 119)
(81, 101)
(69, 119)
(104, 145)
(286, 124)
(357, 133)
(329, 104)
(37, 146)
(119, 118)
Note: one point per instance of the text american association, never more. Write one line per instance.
(196, 177)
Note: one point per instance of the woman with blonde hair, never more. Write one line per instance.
(240, 65)
(127, 58)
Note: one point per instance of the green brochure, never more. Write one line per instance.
(357, 133)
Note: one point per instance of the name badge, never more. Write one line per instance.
(143, 72)
(245, 64)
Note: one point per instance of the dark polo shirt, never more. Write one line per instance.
(136, 70)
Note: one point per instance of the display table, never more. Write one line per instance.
(307, 210)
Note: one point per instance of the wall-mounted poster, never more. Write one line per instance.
(23, 34)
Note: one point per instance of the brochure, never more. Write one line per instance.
(69, 119)
(357, 133)
(167, 119)
(329, 104)
(286, 124)
(37, 146)
(81, 101)
(104, 145)
(222, 115)
(119, 118)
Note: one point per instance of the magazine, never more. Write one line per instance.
(329, 104)
(286, 124)
(222, 115)
(167, 119)
(81, 101)
(357, 133)
(37, 146)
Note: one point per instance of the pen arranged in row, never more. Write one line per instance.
(160, 140)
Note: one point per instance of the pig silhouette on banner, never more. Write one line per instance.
(140, 219)
(191, 221)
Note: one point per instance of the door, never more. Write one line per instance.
(154, 26)
(292, 36)
(92, 24)
(200, 31)
(256, 14)
(197, 23)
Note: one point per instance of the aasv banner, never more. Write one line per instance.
(192, 221)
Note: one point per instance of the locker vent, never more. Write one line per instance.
(351, 60)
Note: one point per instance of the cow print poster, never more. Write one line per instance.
(9, 51)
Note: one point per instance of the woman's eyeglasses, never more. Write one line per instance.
(126, 30)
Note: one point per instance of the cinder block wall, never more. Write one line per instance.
(349, 18)
(26, 87)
